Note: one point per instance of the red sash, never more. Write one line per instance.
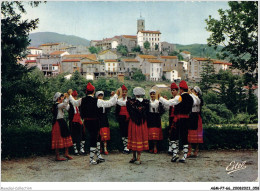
(123, 111)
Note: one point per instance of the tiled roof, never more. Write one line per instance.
(88, 56)
(186, 52)
(32, 55)
(201, 59)
(147, 57)
(130, 60)
(49, 44)
(30, 61)
(253, 87)
(169, 57)
(55, 64)
(154, 32)
(221, 62)
(155, 61)
(130, 36)
(90, 62)
(71, 60)
(110, 60)
(57, 52)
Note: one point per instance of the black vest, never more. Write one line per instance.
(71, 112)
(185, 106)
(89, 107)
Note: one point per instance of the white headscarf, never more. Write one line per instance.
(99, 92)
(152, 91)
(197, 89)
(56, 96)
(138, 91)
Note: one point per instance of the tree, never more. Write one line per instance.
(138, 75)
(237, 31)
(156, 46)
(136, 49)
(146, 45)
(122, 49)
(17, 83)
(93, 50)
(207, 76)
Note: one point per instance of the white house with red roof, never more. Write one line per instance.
(195, 67)
(153, 69)
(153, 37)
(186, 55)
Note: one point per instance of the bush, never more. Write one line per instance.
(35, 140)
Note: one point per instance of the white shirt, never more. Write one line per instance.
(100, 103)
(154, 106)
(171, 102)
(61, 106)
(121, 101)
(196, 103)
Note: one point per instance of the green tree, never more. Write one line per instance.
(19, 88)
(237, 31)
(93, 50)
(122, 49)
(156, 46)
(138, 75)
(136, 49)
(147, 45)
(207, 76)
(174, 53)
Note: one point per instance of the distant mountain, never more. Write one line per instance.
(49, 37)
(200, 50)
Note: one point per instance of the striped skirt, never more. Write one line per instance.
(196, 136)
(57, 141)
(137, 136)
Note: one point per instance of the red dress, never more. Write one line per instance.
(59, 142)
(196, 136)
(137, 128)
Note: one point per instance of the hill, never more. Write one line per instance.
(199, 50)
(49, 37)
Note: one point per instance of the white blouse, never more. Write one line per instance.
(154, 106)
(196, 103)
(61, 107)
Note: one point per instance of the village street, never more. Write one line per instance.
(210, 166)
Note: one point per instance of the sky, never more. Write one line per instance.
(180, 22)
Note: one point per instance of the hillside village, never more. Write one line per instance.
(153, 58)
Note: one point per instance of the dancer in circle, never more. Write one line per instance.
(195, 133)
(123, 117)
(61, 137)
(138, 108)
(154, 121)
(104, 133)
(77, 129)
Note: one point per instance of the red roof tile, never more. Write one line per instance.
(155, 61)
(30, 61)
(130, 36)
(130, 60)
(154, 32)
(71, 60)
(147, 56)
(169, 57)
(110, 60)
(32, 55)
(186, 52)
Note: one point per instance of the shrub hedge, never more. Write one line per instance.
(33, 140)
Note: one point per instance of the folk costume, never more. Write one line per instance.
(89, 112)
(182, 111)
(137, 129)
(195, 132)
(123, 117)
(61, 137)
(154, 121)
(104, 132)
(77, 129)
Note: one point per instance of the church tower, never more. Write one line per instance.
(140, 24)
